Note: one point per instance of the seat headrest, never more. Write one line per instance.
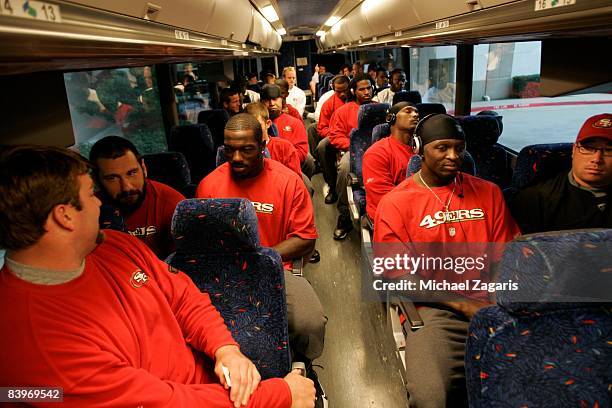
(380, 131)
(540, 162)
(191, 133)
(407, 96)
(429, 108)
(480, 131)
(168, 167)
(215, 225)
(371, 114)
(214, 115)
(557, 270)
(468, 166)
(111, 218)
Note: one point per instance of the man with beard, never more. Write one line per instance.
(98, 316)
(398, 80)
(147, 206)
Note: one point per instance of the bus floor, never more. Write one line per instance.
(359, 367)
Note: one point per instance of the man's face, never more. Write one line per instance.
(87, 218)
(372, 74)
(357, 69)
(346, 71)
(381, 79)
(253, 81)
(275, 107)
(243, 153)
(407, 118)
(363, 93)
(397, 82)
(342, 90)
(123, 180)
(444, 157)
(322, 69)
(290, 77)
(233, 105)
(592, 163)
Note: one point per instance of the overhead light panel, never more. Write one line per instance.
(269, 13)
(281, 31)
(332, 20)
(321, 33)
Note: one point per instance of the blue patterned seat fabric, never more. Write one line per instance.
(170, 168)
(414, 165)
(216, 120)
(218, 247)
(540, 162)
(429, 108)
(492, 161)
(380, 131)
(536, 354)
(196, 144)
(369, 116)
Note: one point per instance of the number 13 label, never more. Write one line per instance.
(36, 10)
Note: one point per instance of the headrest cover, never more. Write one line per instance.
(480, 131)
(596, 126)
(407, 96)
(269, 92)
(371, 114)
(438, 127)
(215, 225)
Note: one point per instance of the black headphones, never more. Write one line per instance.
(391, 117)
(417, 141)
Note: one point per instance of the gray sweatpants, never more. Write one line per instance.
(306, 319)
(435, 353)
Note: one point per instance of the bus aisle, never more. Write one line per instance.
(359, 367)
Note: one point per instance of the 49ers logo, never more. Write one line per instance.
(144, 231)
(265, 208)
(447, 217)
(138, 278)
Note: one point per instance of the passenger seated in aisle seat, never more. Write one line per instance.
(287, 107)
(385, 162)
(285, 217)
(288, 127)
(435, 352)
(297, 97)
(230, 101)
(147, 206)
(579, 198)
(98, 314)
(343, 121)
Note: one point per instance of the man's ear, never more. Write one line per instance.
(144, 167)
(63, 216)
(268, 123)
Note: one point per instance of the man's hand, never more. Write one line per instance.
(243, 374)
(467, 307)
(302, 390)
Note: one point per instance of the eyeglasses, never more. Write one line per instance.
(590, 150)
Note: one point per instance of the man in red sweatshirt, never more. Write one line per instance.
(98, 315)
(342, 122)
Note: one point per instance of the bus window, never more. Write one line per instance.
(122, 102)
(432, 73)
(506, 79)
(191, 92)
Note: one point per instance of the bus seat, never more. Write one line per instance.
(215, 119)
(429, 108)
(170, 168)
(535, 348)
(196, 144)
(468, 166)
(540, 162)
(111, 218)
(380, 131)
(369, 116)
(492, 161)
(407, 96)
(217, 243)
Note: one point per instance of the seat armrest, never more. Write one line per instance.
(353, 180)
(297, 267)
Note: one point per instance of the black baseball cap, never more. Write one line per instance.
(269, 92)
